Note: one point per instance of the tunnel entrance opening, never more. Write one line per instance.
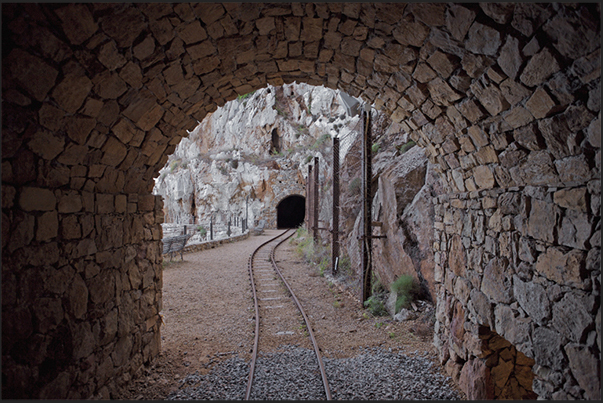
(290, 212)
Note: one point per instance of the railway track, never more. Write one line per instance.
(277, 309)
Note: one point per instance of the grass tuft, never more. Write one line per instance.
(406, 288)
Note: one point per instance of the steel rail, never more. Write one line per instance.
(257, 314)
(257, 317)
(301, 310)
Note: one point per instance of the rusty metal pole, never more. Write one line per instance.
(366, 240)
(211, 227)
(309, 199)
(335, 237)
(316, 200)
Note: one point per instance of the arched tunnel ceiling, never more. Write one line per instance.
(124, 81)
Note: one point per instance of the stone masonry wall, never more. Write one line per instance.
(505, 97)
(85, 299)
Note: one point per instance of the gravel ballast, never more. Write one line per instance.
(292, 374)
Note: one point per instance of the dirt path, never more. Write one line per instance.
(208, 313)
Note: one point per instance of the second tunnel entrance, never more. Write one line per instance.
(290, 212)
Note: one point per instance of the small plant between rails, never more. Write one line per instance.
(255, 262)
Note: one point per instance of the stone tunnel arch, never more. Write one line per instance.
(290, 212)
(505, 98)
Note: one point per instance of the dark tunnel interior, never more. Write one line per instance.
(290, 212)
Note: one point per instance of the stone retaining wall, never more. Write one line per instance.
(212, 244)
(521, 262)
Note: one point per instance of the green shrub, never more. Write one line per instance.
(245, 96)
(324, 264)
(202, 231)
(375, 148)
(406, 288)
(376, 286)
(311, 252)
(375, 305)
(407, 146)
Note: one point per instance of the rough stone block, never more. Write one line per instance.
(540, 104)
(109, 85)
(423, 73)
(533, 299)
(104, 203)
(70, 202)
(79, 127)
(71, 92)
(594, 132)
(513, 91)
(574, 170)
(486, 155)
(429, 14)
(529, 137)
(548, 349)
(32, 73)
(38, 199)
(121, 202)
(417, 94)
(538, 169)
(78, 22)
(499, 12)
(490, 97)
(443, 63)
(510, 59)
(540, 67)
(496, 283)
(575, 229)
(350, 47)
(431, 110)
(458, 20)
(475, 380)
(114, 152)
(514, 330)
(483, 177)
(411, 33)
(311, 29)
(573, 34)
(528, 17)
(588, 68)
(556, 132)
(574, 199)
(586, 369)
(571, 316)
(110, 57)
(442, 93)
(518, 117)
(46, 144)
(482, 39)
(146, 203)
(561, 267)
(479, 137)
(125, 26)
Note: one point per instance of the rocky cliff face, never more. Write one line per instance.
(243, 159)
(247, 156)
